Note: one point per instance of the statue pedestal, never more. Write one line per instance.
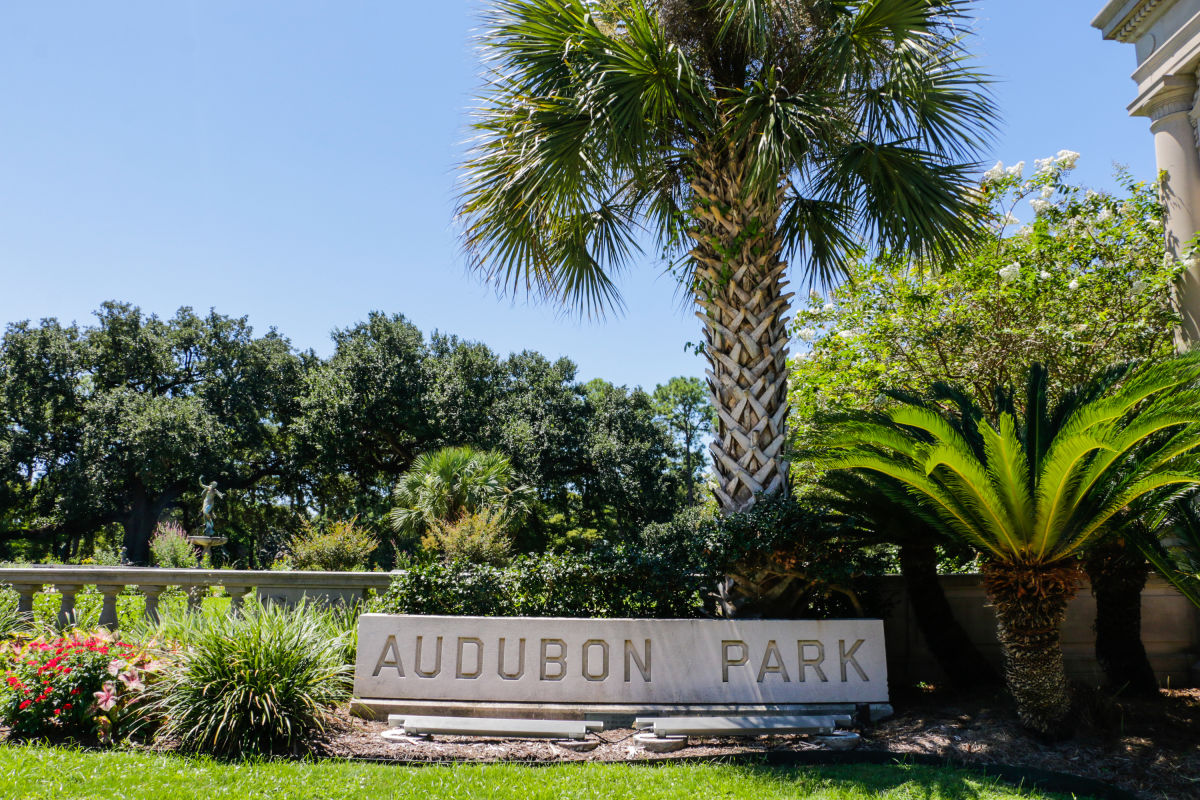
(206, 543)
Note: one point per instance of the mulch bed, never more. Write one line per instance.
(1150, 748)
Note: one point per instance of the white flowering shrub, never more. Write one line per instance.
(1083, 283)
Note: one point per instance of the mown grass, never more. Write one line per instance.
(33, 772)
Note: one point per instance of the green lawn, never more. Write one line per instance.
(28, 772)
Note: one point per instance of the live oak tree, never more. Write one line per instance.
(116, 422)
(735, 134)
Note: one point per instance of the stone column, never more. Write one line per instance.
(1177, 157)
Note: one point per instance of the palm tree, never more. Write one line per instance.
(1032, 492)
(443, 485)
(736, 135)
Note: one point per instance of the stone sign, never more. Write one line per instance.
(620, 661)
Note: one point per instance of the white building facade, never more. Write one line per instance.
(1166, 37)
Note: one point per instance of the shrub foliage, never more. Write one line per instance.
(170, 548)
(340, 546)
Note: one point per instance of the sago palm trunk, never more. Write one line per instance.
(1030, 603)
(739, 288)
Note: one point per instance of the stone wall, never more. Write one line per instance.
(1170, 632)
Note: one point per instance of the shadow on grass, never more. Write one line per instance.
(931, 778)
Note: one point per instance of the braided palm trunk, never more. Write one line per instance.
(739, 289)
(1031, 603)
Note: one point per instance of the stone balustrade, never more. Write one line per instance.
(270, 585)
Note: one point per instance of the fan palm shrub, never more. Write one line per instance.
(443, 485)
(1032, 491)
(735, 134)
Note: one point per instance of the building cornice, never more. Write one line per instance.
(1124, 20)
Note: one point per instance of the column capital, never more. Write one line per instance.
(1171, 95)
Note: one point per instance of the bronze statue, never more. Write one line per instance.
(206, 508)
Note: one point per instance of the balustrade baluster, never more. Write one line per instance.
(108, 610)
(152, 592)
(66, 611)
(25, 593)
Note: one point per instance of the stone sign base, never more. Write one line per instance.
(612, 715)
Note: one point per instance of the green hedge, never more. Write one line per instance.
(609, 583)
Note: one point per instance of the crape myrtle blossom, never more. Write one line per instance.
(1040, 206)
(1082, 282)
(995, 173)
(1066, 158)
(1016, 170)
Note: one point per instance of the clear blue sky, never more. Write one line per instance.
(294, 162)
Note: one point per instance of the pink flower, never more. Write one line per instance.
(107, 697)
(132, 680)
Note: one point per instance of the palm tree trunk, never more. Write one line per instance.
(1118, 574)
(1031, 602)
(739, 287)
(956, 654)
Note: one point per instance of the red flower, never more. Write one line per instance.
(66, 707)
(56, 711)
(75, 690)
(25, 704)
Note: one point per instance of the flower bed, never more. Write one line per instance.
(84, 686)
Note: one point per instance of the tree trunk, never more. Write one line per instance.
(739, 284)
(959, 658)
(1118, 574)
(139, 523)
(1031, 602)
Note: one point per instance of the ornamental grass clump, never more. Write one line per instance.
(261, 681)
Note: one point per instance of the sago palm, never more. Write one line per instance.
(1169, 537)
(735, 135)
(1032, 492)
(443, 485)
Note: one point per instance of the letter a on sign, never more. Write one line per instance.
(390, 648)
